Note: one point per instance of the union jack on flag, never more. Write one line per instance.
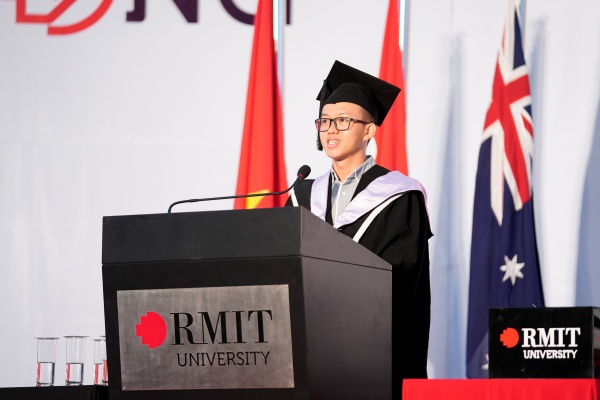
(504, 263)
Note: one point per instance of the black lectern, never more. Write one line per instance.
(248, 304)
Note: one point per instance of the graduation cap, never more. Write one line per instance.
(347, 84)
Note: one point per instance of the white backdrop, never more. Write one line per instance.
(125, 118)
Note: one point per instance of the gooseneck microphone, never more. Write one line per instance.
(302, 173)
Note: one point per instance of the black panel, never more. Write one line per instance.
(207, 273)
(542, 342)
(200, 235)
(275, 232)
(349, 330)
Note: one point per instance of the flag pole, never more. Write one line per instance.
(522, 10)
(403, 8)
(279, 12)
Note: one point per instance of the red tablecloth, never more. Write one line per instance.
(501, 389)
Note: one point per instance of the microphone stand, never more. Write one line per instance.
(299, 178)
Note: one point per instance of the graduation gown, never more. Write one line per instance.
(389, 215)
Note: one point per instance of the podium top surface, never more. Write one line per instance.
(210, 235)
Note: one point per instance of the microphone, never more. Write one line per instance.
(302, 173)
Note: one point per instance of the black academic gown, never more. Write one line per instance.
(399, 235)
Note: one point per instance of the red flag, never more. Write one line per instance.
(262, 167)
(391, 136)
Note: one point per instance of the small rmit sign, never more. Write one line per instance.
(544, 342)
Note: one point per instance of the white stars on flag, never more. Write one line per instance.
(512, 269)
(486, 366)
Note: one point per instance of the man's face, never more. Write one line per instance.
(349, 144)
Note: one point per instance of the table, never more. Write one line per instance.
(501, 389)
(85, 392)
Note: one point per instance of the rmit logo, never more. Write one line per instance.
(187, 8)
(152, 328)
(541, 337)
(204, 330)
(509, 337)
(551, 337)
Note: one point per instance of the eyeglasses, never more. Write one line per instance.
(340, 123)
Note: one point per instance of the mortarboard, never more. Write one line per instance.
(347, 84)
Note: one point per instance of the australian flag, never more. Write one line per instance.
(504, 262)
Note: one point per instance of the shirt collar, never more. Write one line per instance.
(357, 173)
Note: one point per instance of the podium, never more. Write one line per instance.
(246, 304)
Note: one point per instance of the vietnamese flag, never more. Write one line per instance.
(262, 166)
(391, 136)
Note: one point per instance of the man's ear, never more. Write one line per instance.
(370, 131)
